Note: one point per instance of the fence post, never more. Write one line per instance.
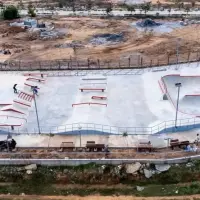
(19, 65)
(108, 64)
(129, 61)
(197, 56)
(88, 62)
(39, 63)
(58, 64)
(141, 61)
(98, 61)
(119, 64)
(168, 59)
(138, 63)
(188, 58)
(71, 62)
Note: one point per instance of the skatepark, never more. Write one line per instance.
(111, 102)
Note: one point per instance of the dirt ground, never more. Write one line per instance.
(148, 45)
(96, 197)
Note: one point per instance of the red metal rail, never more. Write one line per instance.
(30, 85)
(22, 103)
(35, 78)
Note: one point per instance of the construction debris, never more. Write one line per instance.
(132, 168)
(148, 23)
(106, 38)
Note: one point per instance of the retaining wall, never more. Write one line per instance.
(75, 162)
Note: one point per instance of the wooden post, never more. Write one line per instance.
(98, 61)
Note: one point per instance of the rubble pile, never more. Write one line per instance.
(148, 23)
(51, 34)
(106, 38)
(73, 44)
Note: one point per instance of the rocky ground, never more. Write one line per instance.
(105, 180)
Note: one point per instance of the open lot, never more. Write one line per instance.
(85, 38)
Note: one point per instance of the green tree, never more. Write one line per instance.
(61, 3)
(31, 11)
(11, 12)
(146, 7)
(89, 5)
(158, 5)
(131, 8)
(187, 9)
(193, 4)
(109, 9)
(1, 4)
(169, 10)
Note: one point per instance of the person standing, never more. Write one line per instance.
(15, 88)
(35, 90)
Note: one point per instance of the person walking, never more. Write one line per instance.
(15, 88)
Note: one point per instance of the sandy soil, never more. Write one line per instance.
(150, 46)
(96, 197)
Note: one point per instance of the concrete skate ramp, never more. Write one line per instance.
(189, 102)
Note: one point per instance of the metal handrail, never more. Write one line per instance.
(88, 128)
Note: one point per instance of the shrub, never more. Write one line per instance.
(11, 12)
(31, 12)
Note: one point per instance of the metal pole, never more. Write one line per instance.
(177, 50)
(179, 86)
(36, 111)
(80, 134)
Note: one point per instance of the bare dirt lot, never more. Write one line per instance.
(79, 41)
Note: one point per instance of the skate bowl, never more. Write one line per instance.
(189, 100)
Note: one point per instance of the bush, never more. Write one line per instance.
(31, 12)
(11, 12)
